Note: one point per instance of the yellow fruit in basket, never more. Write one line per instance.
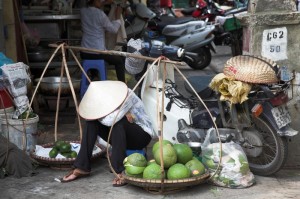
(178, 171)
(169, 156)
(184, 153)
(53, 153)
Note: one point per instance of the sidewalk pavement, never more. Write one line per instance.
(284, 184)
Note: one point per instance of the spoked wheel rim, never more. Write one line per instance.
(271, 149)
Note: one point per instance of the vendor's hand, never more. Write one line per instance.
(129, 117)
(118, 12)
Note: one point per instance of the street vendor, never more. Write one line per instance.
(102, 107)
(94, 23)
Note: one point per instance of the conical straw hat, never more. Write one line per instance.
(102, 98)
(251, 69)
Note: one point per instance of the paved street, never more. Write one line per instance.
(285, 184)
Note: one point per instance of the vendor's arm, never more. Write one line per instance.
(108, 25)
(109, 119)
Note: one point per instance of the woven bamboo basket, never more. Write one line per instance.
(251, 69)
(62, 163)
(167, 186)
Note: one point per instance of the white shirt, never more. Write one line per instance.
(135, 106)
(94, 23)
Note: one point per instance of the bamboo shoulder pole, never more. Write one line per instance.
(119, 53)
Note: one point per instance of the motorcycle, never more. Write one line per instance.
(195, 36)
(261, 124)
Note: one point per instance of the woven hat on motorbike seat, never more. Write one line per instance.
(102, 98)
(251, 69)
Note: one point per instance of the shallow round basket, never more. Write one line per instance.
(168, 186)
(251, 69)
(62, 163)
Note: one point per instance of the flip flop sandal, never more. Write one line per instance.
(123, 183)
(77, 173)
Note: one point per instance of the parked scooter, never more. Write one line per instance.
(260, 124)
(195, 36)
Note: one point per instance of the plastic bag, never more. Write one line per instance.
(16, 78)
(134, 65)
(233, 171)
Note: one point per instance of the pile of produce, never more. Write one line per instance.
(178, 162)
(64, 148)
(234, 171)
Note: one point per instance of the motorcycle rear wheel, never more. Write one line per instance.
(274, 149)
(203, 60)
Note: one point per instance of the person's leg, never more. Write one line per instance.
(119, 63)
(126, 135)
(82, 164)
(136, 137)
(83, 160)
(118, 142)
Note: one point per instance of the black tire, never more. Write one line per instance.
(274, 148)
(203, 60)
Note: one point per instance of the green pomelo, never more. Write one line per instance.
(134, 175)
(66, 155)
(65, 148)
(73, 154)
(178, 171)
(151, 162)
(58, 144)
(136, 159)
(153, 171)
(53, 153)
(169, 156)
(196, 167)
(156, 145)
(184, 153)
(133, 170)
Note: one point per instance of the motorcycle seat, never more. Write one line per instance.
(186, 28)
(188, 11)
(168, 20)
(200, 84)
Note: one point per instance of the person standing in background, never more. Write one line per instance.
(94, 23)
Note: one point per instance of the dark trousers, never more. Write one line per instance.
(124, 135)
(117, 61)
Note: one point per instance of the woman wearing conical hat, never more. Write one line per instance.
(100, 105)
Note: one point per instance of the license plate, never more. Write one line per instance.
(281, 116)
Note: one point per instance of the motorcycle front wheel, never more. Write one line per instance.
(203, 60)
(265, 149)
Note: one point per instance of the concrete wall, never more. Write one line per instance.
(265, 17)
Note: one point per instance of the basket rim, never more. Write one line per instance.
(63, 160)
(167, 183)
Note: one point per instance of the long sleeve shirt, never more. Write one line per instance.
(135, 107)
(94, 23)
